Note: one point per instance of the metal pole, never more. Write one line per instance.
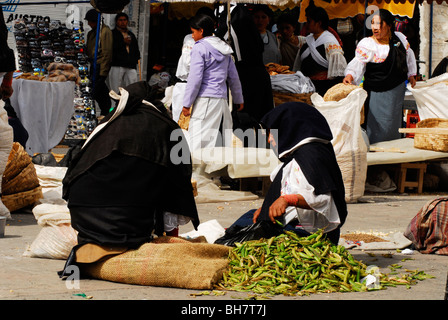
(97, 41)
(431, 10)
(365, 18)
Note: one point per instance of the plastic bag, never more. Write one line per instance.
(430, 97)
(57, 237)
(258, 230)
(211, 230)
(53, 242)
(344, 118)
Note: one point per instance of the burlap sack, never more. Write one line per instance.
(166, 262)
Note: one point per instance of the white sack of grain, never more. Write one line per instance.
(343, 117)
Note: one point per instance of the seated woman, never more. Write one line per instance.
(307, 191)
(320, 57)
(124, 185)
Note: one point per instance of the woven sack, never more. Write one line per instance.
(166, 262)
(26, 180)
(432, 141)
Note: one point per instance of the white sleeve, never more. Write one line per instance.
(410, 55)
(336, 61)
(363, 55)
(323, 214)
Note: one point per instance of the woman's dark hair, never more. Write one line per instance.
(121, 14)
(207, 11)
(385, 16)
(204, 22)
(318, 14)
(287, 18)
(263, 8)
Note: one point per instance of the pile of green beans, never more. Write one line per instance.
(293, 265)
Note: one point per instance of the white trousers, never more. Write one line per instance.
(121, 77)
(206, 117)
(177, 100)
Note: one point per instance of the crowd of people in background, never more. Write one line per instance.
(117, 55)
(120, 184)
(326, 51)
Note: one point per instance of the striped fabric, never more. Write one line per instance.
(428, 230)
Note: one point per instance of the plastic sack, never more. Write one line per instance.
(57, 237)
(211, 230)
(53, 242)
(344, 118)
(430, 97)
(160, 80)
(258, 230)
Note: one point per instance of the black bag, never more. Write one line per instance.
(109, 6)
(20, 133)
(258, 230)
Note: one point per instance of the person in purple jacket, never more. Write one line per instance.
(205, 99)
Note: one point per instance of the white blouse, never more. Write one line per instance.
(334, 55)
(324, 213)
(368, 50)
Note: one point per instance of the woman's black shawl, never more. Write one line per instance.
(295, 121)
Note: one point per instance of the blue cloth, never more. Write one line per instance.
(385, 114)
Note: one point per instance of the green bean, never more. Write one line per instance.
(289, 264)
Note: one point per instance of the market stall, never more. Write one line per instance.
(52, 89)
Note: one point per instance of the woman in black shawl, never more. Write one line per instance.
(307, 191)
(124, 183)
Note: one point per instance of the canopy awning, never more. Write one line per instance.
(340, 9)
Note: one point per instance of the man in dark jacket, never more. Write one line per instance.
(125, 55)
(103, 61)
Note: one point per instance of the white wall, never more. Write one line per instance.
(439, 35)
